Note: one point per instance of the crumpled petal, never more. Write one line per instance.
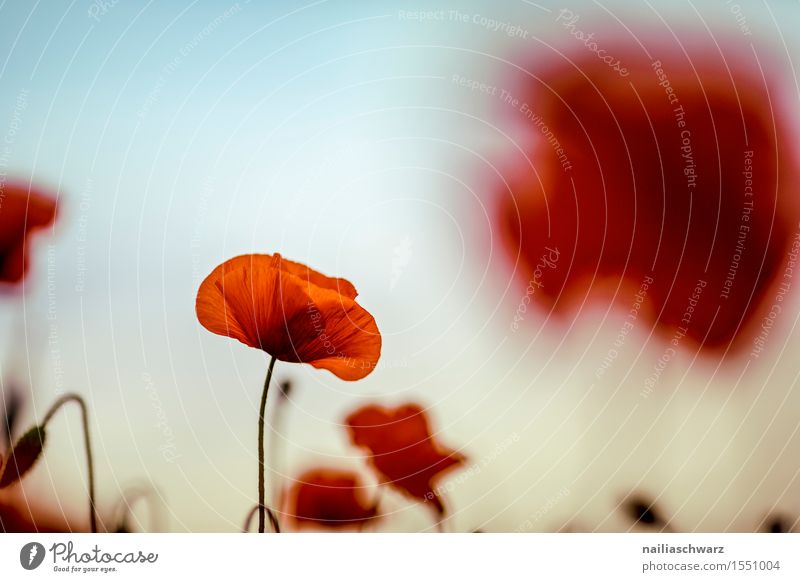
(291, 312)
(402, 450)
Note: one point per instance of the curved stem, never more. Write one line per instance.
(249, 519)
(72, 397)
(262, 513)
(273, 521)
(129, 499)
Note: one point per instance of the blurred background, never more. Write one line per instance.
(350, 136)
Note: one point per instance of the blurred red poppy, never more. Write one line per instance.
(402, 449)
(291, 312)
(21, 514)
(22, 211)
(677, 178)
(330, 498)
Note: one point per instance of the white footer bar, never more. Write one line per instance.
(406, 557)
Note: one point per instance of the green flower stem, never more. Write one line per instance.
(262, 508)
(72, 397)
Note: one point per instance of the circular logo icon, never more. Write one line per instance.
(31, 555)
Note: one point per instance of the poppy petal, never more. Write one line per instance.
(331, 498)
(22, 211)
(342, 286)
(351, 344)
(652, 178)
(291, 312)
(213, 309)
(402, 450)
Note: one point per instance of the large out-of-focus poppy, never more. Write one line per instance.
(22, 211)
(21, 514)
(291, 312)
(329, 498)
(402, 449)
(677, 178)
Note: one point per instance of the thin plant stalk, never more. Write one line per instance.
(262, 508)
(130, 497)
(72, 397)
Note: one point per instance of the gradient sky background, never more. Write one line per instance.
(180, 134)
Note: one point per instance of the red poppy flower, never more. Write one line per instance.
(330, 498)
(291, 312)
(680, 175)
(22, 211)
(402, 449)
(19, 514)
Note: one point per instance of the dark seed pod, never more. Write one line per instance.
(23, 456)
(644, 512)
(285, 388)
